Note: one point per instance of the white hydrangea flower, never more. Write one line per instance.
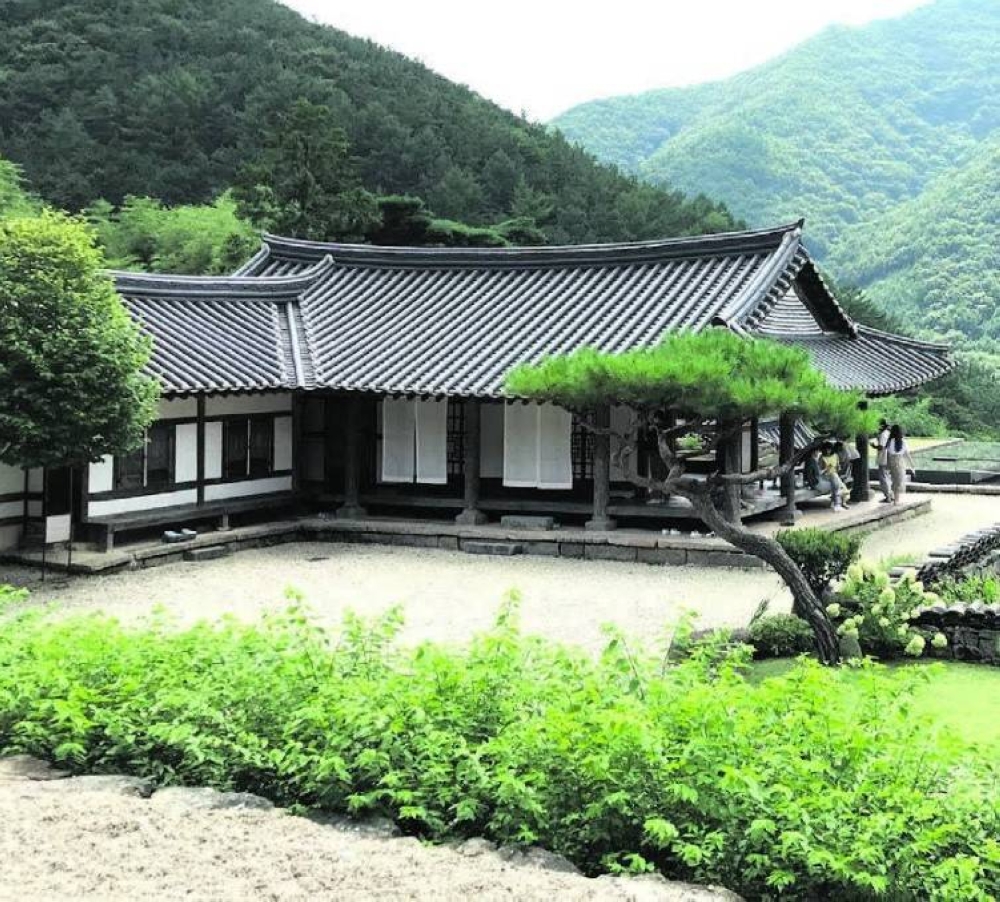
(886, 596)
(883, 622)
(940, 640)
(882, 579)
(915, 647)
(833, 609)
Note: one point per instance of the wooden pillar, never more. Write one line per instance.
(472, 439)
(351, 509)
(729, 457)
(861, 489)
(200, 444)
(786, 451)
(599, 519)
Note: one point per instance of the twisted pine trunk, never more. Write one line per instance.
(768, 550)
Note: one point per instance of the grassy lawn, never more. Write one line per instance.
(976, 456)
(963, 697)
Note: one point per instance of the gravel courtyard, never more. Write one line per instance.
(448, 595)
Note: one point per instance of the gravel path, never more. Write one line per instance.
(447, 595)
(97, 838)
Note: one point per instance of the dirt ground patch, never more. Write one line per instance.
(98, 838)
(448, 595)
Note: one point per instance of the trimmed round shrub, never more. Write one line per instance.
(822, 556)
(780, 636)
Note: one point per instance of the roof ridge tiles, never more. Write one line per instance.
(249, 287)
(722, 243)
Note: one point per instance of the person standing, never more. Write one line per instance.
(900, 462)
(881, 446)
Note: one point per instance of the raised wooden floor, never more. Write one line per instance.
(628, 545)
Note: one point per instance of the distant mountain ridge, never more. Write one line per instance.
(856, 129)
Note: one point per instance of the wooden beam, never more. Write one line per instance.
(472, 439)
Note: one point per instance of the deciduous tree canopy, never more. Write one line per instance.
(71, 388)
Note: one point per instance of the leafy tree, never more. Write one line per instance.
(200, 239)
(71, 386)
(305, 183)
(713, 382)
(14, 198)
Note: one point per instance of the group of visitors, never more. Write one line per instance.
(894, 462)
(830, 466)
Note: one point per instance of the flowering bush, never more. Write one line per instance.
(877, 613)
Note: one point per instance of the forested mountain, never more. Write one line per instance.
(170, 99)
(883, 137)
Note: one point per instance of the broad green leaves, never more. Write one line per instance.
(71, 387)
(815, 784)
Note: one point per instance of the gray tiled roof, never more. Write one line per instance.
(445, 321)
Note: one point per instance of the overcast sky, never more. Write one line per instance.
(544, 56)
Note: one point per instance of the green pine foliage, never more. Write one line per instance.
(816, 784)
(172, 99)
(710, 375)
(71, 358)
(883, 137)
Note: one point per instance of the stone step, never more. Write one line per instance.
(503, 549)
(524, 521)
(211, 553)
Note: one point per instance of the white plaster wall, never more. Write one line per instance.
(746, 449)
(141, 503)
(248, 487)
(186, 452)
(176, 408)
(10, 537)
(102, 475)
(11, 480)
(276, 402)
(10, 509)
(36, 480)
(213, 450)
(282, 443)
(491, 443)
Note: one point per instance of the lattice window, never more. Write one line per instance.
(582, 451)
(456, 437)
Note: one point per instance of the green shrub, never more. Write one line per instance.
(781, 636)
(794, 787)
(822, 556)
(979, 587)
(877, 613)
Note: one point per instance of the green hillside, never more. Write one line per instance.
(938, 254)
(859, 130)
(170, 98)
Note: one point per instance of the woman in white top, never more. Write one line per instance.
(900, 462)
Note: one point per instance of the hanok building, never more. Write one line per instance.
(363, 378)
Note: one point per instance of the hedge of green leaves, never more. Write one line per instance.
(791, 788)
